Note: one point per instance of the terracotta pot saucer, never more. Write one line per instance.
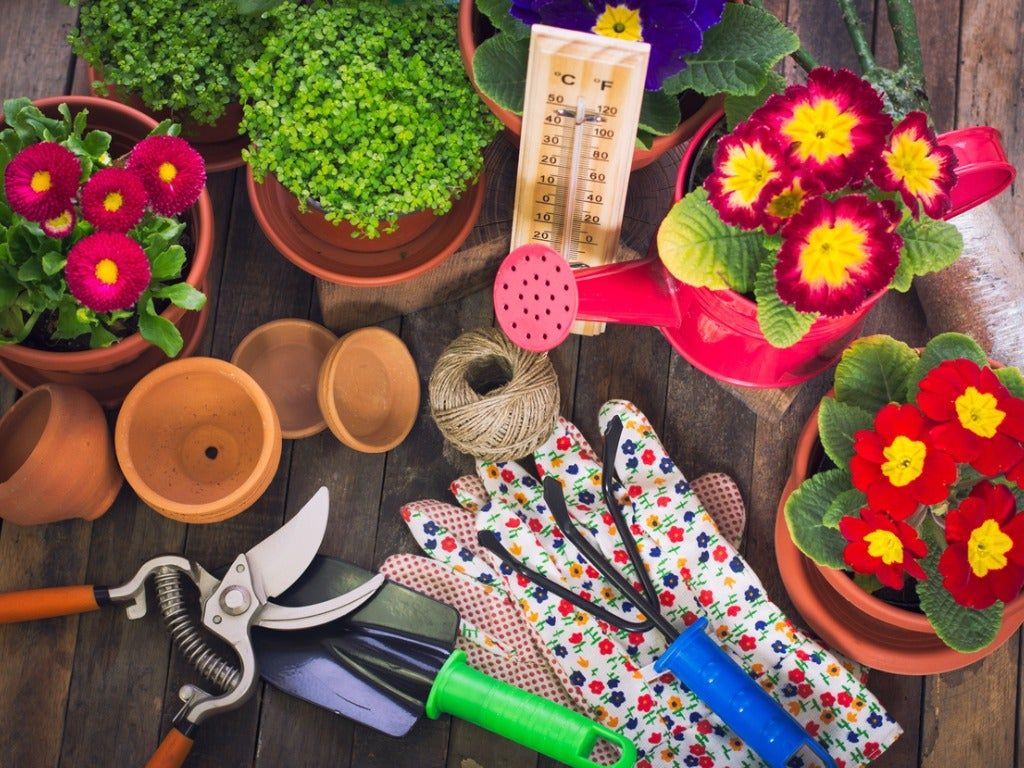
(347, 261)
(369, 390)
(284, 357)
(198, 440)
(111, 387)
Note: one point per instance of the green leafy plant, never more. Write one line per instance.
(922, 483)
(172, 55)
(37, 307)
(364, 110)
(736, 58)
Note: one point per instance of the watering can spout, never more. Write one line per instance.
(538, 296)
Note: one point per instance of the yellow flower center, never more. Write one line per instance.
(886, 545)
(747, 170)
(831, 252)
(106, 271)
(619, 21)
(911, 163)
(979, 412)
(987, 548)
(41, 182)
(787, 203)
(904, 460)
(60, 222)
(167, 172)
(821, 130)
(112, 202)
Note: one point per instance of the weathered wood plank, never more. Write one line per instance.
(35, 58)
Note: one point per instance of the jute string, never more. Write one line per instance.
(491, 399)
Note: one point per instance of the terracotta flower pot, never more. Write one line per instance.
(854, 622)
(369, 390)
(696, 108)
(127, 126)
(56, 458)
(285, 357)
(220, 142)
(198, 440)
(331, 253)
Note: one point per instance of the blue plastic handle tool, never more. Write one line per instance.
(705, 668)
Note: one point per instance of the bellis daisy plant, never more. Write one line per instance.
(816, 203)
(93, 247)
(705, 47)
(919, 494)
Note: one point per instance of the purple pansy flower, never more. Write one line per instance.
(673, 28)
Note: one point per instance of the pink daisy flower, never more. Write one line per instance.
(114, 200)
(172, 172)
(107, 271)
(61, 225)
(41, 180)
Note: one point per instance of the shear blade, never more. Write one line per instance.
(283, 617)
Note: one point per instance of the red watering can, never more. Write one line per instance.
(537, 295)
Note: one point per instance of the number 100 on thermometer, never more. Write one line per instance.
(580, 115)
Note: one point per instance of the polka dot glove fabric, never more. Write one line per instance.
(697, 571)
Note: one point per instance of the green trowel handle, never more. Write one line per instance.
(522, 717)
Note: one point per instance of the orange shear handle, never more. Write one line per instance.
(32, 604)
(172, 752)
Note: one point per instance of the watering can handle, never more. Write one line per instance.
(983, 170)
(699, 662)
(526, 719)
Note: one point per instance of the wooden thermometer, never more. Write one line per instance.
(580, 115)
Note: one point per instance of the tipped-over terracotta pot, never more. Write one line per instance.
(369, 390)
(853, 621)
(127, 126)
(220, 142)
(56, 458)
(695, 108)
(284, 357)
(198, 440)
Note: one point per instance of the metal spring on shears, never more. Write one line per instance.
(170, 596)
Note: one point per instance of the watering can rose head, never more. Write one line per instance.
(928, 456)
(93, 240)
(814, 204)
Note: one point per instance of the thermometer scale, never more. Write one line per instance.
(581, 110)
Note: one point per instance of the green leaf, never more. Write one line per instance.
(498, 13)
(160, 332)
(53, 262)
(699, 249)
(849, 503)
(739, 108)
(928, 246)
(1011, 378)
(659, 113)
(96, 143)
(805, 511)
(837, 424)
(253, 7)
(780, 323)
(167, 265)
(499, 67)
(945, 346)
(967, 477)
(875, 371)
(101, 337)
(182, 295)
(31, 270)
(962, 629)
(69, 324)
(868, 582)
(737, 54)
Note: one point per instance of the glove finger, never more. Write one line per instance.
(424, 520)
(567, 456)
(470, 493)
(721, 498)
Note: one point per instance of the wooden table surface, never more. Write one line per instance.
(101, 691)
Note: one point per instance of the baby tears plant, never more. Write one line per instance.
(923, 486)
(89, 244)
(173, 55)
(363, 110)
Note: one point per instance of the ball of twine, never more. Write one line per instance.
(492, 399)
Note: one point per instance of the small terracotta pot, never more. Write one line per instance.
(853, 621)
(469, 25)
(220, 142)
(56, 458)
(284, 357)
(198, 440)
(331, 253)
(127, 126)
(369, 390)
